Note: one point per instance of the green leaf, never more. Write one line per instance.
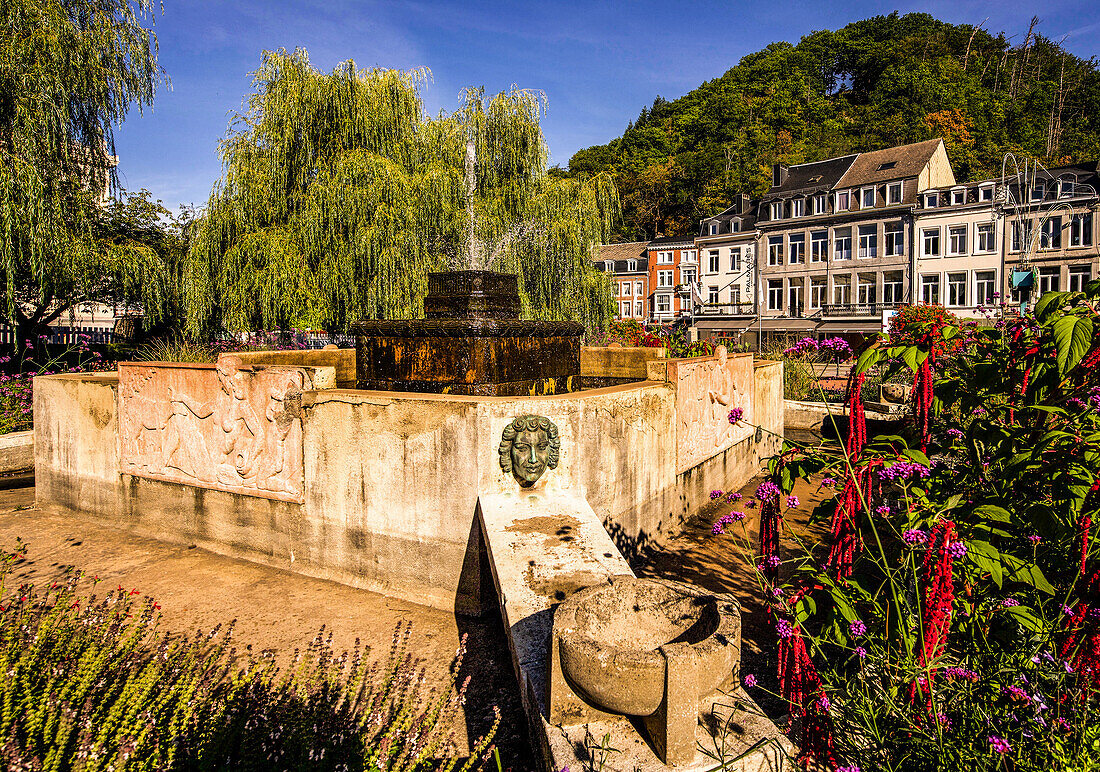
(915, 455)
(1043, 307)
(868, 358)
(1027, 573)
(993, 512)
(913, 357)
(1026, 617)
(1072, 336)
(987, 558)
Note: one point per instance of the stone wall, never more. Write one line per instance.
(391, 479)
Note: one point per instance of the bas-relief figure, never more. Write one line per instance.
(529, 446)
(705, 393)
(229, 427)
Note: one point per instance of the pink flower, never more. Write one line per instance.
(792, 502)
(736, 516)
(784, 629)
(857, 628)
(717, 529)
(861, 652)
(715, 495)
(735, 415)
(749, 680)
(999, 744)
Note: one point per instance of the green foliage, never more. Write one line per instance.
(92, 683)
(69, 71)
(876, 83)
(175, 350)
(339, 196)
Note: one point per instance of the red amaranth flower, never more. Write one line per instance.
(938, 597)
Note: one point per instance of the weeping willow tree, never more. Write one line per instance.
(70, 70)
(339, 195)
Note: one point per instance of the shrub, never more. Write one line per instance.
(92, 683)
(17, 390)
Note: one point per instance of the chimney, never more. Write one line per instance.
(779, 174)
(744, 203)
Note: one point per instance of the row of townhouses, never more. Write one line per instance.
(834, 246)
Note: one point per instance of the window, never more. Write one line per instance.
(842, 243)
(664, 258)
(956, 240)
(868, 241)
(1079, 276)
(958, 197)
(794, 297)
(1038, 190)
(985, 284)
(893, 193)
(712, 261)
(895, 239)
(931, 200)
(798, 207)
(1048, 280)
(931, 241)
(775, 250)
(712, 294)
(608, 266)
(664, 304)
(688, 275)
(624, 289)
(1050, 237)
(985, 193)
(624, 308)
(775, 294)
(818, 288)
(865, 289)
(1066, 186)
(867, 200)
(664, 278)
(735, 295)
(930, 289)
(841, 201)
(887, 165)
(842, 290)
(983, 232)
(1080, 230)
(819, 246)
(639, 309)
(713, 228)
(631, 266)
(689, 256)
(819, 204)
(892, 288)
(735, 226)
(796, 244)
(777, 210)
(956, 289)
(1021, 235)
(638, 289)
(735, 258)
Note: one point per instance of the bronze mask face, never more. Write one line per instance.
(530, 453)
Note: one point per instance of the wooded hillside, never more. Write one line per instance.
(884, 81)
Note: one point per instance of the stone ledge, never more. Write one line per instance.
(16, 451)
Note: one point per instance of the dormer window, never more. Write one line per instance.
(985, 193)
(735, 226)
(819, 204)
(1067, 186)
(1039, 190)
(713, 228)
(777, 210)
(958, 197)
(608, 266)
(842, 198)
(893, 193)
(882, 167)
(931, 200)
(798, 207)
(631, 265)
(867, 200)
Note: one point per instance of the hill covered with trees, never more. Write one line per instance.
(884, 81)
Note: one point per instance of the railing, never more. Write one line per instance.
(65, 336)
(726, 309)
(857, 309)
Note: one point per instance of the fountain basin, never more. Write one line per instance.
(615, 641)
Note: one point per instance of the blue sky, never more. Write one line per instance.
(598, 62)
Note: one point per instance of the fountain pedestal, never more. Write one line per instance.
(471, 341)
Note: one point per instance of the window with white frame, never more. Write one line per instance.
(956, 240)
(893, 193)
(818, 289)
(735, 225)
(1038, 190)
(664, 278)
(794, 297)
(1021, 235)
(931, 200)
(608, 266)
(985, 193)
(956, 289)
(1067, 186)
(631, 265)
(841, 203)
(865, 289)
(1080, 230)
(819, 246)
(958, 196)
(625, 287)
(796, 248)
(688, 275)
(777, 210)
(842, 290)
(819, 203)
(735, 294)
(689, 256)
(664, 304)
(712, 294)
(735, 258)
(985, 237)
(930, 240)
(985, 285)
(1079, 276)
(775, 250)
(775, 294)
(712, 261)
(895, 239)
(713, 228)
(930, 289)
(1050, 237)
(892, 287)
(664, 258)
(867, 198)
(798, 207)
(638, 289)
(639, 309)
(842, 243)
(624, 308)
(1049, 279)
(868, 241)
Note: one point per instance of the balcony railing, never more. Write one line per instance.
(726, 309)
(856, 309)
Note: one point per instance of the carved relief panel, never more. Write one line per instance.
(706, 390)
(222, 426)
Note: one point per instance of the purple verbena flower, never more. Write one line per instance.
(784, 629)
(999, 744)
(883, 510)
(736, 516)
(715, 495)
(956, 549)
(827, 482)
(736, 415)
(749, 680)
(1009, 602)
(914, 536)
(767, 490)
(955, 433)
(717, 529)
(792, 502)
(857, 628)
(861, 652)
